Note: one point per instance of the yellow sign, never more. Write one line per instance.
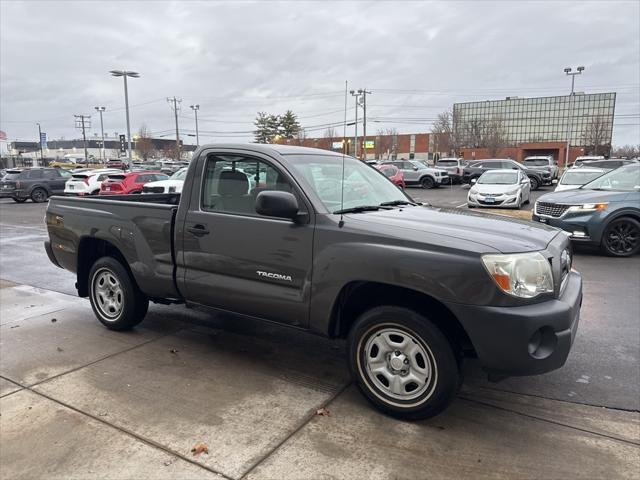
(369, 144)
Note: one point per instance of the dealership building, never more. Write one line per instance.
(536, 126)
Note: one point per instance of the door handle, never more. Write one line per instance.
(198, 230)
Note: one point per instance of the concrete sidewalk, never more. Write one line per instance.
(79, 401)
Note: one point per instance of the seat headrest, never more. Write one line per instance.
(233, 183)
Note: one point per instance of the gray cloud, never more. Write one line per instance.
(237, 58)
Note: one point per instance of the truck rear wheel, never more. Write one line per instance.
(403, 363)
(116, 300)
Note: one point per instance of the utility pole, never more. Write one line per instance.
(100, 110)
(364, 93)
(84, 122)
(175, 101)
(355, 138)
(571, 102)
(40, 142)
(195, 109)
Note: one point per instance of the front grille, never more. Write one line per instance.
(153, 189)
(550, 209)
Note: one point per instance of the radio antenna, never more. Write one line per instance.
(344, 146)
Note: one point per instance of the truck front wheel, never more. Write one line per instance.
(402, 363)
(115, 298)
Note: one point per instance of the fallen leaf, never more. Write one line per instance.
(323, 412)
(173, 350)
(54, 320)
(200, 448)
(60, 349)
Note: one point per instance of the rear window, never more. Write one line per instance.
(448, 163)
(12, 175)
(80, 176)
(536, 162)
(117, 177)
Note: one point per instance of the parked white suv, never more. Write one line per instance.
(542, 162)
(87, 182)
(418, 173)
(172, 185)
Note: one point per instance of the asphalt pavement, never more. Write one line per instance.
(177, 378)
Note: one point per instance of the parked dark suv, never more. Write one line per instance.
(475, 169)
(35, 183)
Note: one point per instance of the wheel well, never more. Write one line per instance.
(358, 297)
(90, 250)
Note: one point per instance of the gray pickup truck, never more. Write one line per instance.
(325, 243)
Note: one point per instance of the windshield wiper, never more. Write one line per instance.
(394, 203)
(359, 209)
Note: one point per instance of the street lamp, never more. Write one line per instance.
(568, 71)
(100, 110)
(195, 109)
(125, 74)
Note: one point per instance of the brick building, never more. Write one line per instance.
(378, 147)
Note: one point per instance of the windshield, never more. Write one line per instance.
(363, 185)
(179, 175)
(579, 178)
(537, 162)
(499, 178)
(624, 179)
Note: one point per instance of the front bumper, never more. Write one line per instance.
(525, 340)
(500, 201)
(581, 227)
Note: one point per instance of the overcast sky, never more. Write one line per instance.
(237, 58)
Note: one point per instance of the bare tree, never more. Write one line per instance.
(595, 134)
(495, 136)
(445, 132)
(626, 151)
(386, 143)
(301, 136)
(171, 151)
(330, 132)
(473, 131)
(144, 144)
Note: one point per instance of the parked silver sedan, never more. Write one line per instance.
(500, 188)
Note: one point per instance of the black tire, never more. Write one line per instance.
(39, 195)
(19, 200)
(430, 349)
(133, 304)
(535, 184)
(621, 237)
(427, 182)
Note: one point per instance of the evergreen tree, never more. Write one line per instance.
(266, 127)
(289, 126)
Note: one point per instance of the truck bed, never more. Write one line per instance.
(138, 226)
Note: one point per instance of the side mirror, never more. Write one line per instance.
(415, 169)
(473, 180)
(273, 203)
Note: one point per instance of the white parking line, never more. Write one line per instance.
(23, 227)
(462, 205)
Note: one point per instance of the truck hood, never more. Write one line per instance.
(496, 232)
(578, 196)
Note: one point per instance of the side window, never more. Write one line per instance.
(509, 164)
(63, 173)
(34, 174)
(232, 183)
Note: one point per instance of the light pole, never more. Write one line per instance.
(124, 74)
(570, 119)
(355, 138)
(195, 109)
(40, 143)
(100, 110)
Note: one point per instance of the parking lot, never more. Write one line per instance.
(78, 400)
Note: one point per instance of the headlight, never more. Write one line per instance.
(473, 190)
(172, 189)
(512, 192)
(524, 275)
(587, 207)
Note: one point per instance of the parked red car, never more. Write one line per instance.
(393, 174)
(129, 182)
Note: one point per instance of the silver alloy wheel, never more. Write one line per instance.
(107, 294)
(399, 364)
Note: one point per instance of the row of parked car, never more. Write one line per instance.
(39, 183)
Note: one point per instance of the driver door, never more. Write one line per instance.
(232, 258)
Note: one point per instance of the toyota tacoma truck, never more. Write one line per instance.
(323, 242)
